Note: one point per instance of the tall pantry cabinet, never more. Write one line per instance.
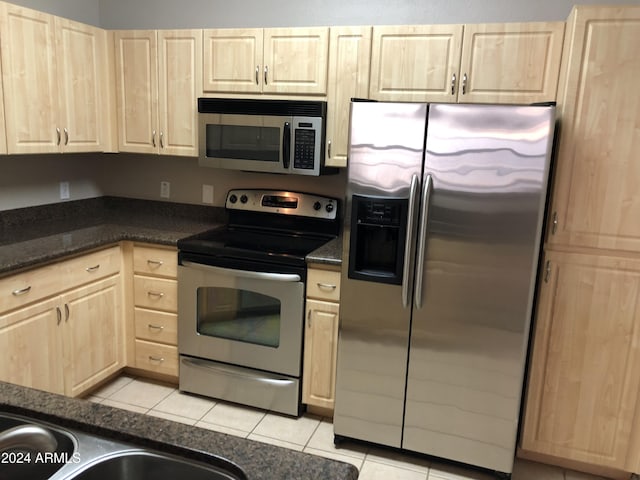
(583, 397)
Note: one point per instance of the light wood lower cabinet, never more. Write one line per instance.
(155, 309)
(583, 396)
(321, 338)
(64, 341)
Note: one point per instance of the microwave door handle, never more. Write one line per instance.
(286, 145)
(406, 274)
(422, 239)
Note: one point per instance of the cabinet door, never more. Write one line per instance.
(92, 331)
(3, 136)
(585, 365)
(233, 60)
(295, 60)
(29, 76)
(81, 58)
(510, 62)
(596, 198)
(137, 90)
(31, 347)
(179, 85)
(415, 63)
(349, 60)
(320, 351)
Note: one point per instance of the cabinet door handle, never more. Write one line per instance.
(66, 312)
(257, 74)
(309, 318)
(547, 271)
(326, 286)
(92, 269)
(329, 148)
(66, 137)
(453, 84)
(58, 135)
(59, 315)
(161, 139)
(266, 72)
(21, 291)
(153, 138)
(554, 226)
(155, 294)
(156, 359)
(464, 84)
(155, 327)
(155, 263)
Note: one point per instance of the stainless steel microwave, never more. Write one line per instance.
(275, 136)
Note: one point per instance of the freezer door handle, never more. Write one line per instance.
(411, 214)
(422, 238)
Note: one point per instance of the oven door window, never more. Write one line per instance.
(240, 315)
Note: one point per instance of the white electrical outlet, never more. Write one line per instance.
(165, 189)
(207, 194)
(64, 190)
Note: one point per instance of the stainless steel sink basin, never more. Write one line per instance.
(83, 456)
(24, 463)
(146, 465)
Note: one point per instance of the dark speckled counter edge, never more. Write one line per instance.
(259, 461)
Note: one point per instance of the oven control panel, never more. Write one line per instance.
(283, 202)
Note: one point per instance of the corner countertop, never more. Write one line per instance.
(259, 461)
(37, 235)
(329, 254)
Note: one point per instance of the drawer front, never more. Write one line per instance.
(156, 357)
(323, 284)
(36, 284)
(155, 293)
(160, 327)
(155, 261)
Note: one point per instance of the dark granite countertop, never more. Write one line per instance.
(37, 235)
(328, 254)
(259, 461)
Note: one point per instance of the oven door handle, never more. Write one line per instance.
(276, 277)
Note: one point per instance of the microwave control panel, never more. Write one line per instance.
(304, 149)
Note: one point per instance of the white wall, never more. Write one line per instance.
(86, 11)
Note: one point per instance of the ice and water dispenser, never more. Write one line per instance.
(377, 242)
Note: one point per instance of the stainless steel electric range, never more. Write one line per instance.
(241, 294)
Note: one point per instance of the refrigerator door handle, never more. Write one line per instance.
(422, 238)
(406, 301)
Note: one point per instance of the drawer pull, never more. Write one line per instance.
(155, 327)
(21, 291)
(156, 359)
(326, 286)
(155, 263)
(155, 294)
(92, 269)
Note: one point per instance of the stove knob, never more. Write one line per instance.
(329, 208)
(317, 206)
(233, 199)
(244, 199)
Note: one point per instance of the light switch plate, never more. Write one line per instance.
(165, 189)
(207, 194)
(64, 190)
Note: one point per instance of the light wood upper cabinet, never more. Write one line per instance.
(271, 60)
(158, 81)
(54, 74)
(487, 63)
(584, 380)
(3, 137)
(510, 62)
(233, 60)
(349, 62)
(415, 63)
(596, 199)
(29, 74)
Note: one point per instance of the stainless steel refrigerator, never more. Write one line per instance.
(443, 221)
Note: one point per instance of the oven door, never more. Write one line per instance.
(259, 143)
(241, 317)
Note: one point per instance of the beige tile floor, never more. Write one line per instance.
(309, 433)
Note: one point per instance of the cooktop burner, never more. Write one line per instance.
(268, 226)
